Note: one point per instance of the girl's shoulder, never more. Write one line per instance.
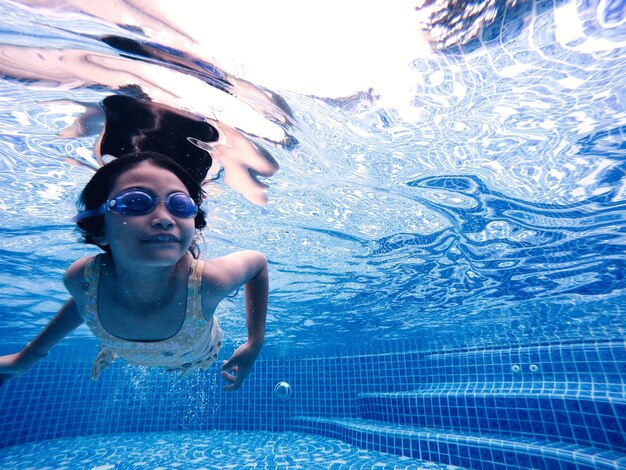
(74, 277)
(233, 270)
(237, 262)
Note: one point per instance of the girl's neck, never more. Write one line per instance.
(141, 285)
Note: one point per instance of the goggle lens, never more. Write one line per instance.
(181, 205)
(132, 203)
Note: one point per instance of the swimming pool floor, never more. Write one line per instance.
(203, 450)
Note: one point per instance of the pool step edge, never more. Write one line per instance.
(525, 414)
(462, 449)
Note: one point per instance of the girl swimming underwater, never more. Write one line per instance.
(148, 298)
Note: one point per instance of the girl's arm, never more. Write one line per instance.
(65, 321)
(247, 268)
(256, 292)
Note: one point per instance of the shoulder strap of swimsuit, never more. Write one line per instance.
(194, 289)
(91, 277)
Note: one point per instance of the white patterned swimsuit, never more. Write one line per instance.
(195, 346)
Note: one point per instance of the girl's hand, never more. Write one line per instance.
(239, 364)
(11, 366)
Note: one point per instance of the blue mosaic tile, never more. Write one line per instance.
(58, 400)
(210, 450)
(470, 450)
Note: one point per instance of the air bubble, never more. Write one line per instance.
(282, 390)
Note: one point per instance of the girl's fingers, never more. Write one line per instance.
(229, 377)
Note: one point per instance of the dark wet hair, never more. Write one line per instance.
(99, 188)
(139, 125)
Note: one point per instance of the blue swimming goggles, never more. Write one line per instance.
(141, 202)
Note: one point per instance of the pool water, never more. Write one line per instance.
(445, 235)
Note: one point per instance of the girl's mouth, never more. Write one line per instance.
(162, 239)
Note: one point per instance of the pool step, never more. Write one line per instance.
(476, 451)
(590, 421)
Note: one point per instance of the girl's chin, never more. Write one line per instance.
(160, 256)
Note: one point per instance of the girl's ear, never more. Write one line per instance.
(101, 240)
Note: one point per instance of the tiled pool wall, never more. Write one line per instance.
(561, 404)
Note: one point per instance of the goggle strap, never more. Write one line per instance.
(93, 212)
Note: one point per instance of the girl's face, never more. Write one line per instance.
(158, 238)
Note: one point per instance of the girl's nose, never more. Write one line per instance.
(163, 223)
(161, 217)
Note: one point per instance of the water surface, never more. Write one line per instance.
(485, 207)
